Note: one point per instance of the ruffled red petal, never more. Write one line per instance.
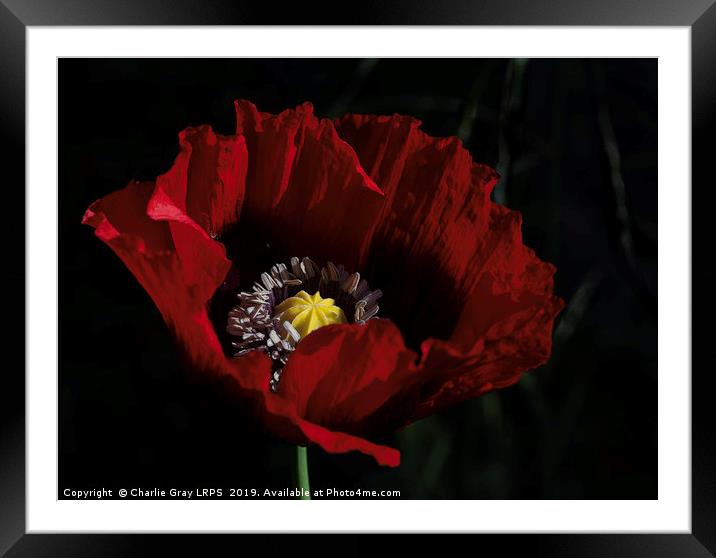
(334, 364)
(207, 182)
(168, 260)
(445, 245)
(434, 221)
(307, 185)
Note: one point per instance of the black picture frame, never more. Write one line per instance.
(699, 15)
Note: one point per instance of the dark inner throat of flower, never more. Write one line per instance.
(287, 303)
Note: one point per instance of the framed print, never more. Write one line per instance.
(428, 274)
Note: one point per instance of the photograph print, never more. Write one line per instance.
(357, 278)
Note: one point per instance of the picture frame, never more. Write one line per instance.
(16, 15)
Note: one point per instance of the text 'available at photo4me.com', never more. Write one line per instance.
(223, 493)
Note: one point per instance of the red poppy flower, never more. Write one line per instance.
(251, 243)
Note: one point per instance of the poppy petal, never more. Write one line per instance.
(206, 183)
(334, 363)
(434, 220)
(279, 414)
(306, 185)
(170, 276)
(452, 262)
(504, 330)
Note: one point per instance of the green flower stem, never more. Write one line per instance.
(302, 471)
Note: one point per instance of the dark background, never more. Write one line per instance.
(576, 144)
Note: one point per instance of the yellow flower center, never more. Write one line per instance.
(307, 313)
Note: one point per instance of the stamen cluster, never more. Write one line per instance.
(258, 324)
